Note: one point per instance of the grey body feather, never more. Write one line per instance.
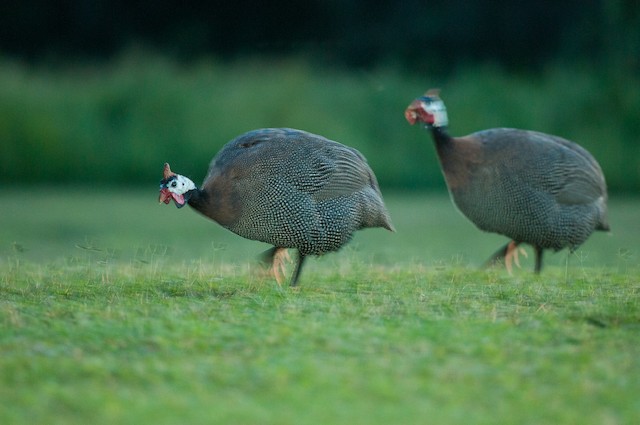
(534, 188)
(295, 189)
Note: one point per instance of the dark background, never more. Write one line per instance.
(434, 35)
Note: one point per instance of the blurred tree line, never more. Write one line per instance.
(105, 91)
(433, 35)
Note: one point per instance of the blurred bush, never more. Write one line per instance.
(117, 124)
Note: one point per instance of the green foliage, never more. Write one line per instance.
(116, 310)
(119, 123)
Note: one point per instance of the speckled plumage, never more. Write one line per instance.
(532, 187)
(291, 189)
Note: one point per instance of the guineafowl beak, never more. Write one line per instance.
(166, 196)
(416, 112)
(410, 113)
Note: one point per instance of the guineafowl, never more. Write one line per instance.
(532, 187)
(288, 188)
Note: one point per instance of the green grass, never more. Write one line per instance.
(116, 310)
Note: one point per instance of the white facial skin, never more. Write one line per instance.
(180, 185)
(175, 188)
(429, 110)
(437, 109)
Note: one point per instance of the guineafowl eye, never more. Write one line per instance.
(179, 184)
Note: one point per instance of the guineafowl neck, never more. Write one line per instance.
(216, 205)
(441, 137)
(198, 199)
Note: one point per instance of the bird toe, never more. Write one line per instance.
(279, 266)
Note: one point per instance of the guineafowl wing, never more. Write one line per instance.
(546, 164)
(580, 187)
(346, 171)
(307, 162)
(583, 181)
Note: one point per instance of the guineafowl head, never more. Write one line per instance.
(176, 187)
(428, 109)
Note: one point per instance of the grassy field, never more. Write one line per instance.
(116, 310)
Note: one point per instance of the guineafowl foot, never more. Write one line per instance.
(279, 266)
(496, 258)
(276, 260)
(506, 255)
(511, 255)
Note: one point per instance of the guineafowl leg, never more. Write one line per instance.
(496, 257)
(511, 255)
(296, 272)
(538, 267)
(276, 258)
(280, 258)
(267, 256)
